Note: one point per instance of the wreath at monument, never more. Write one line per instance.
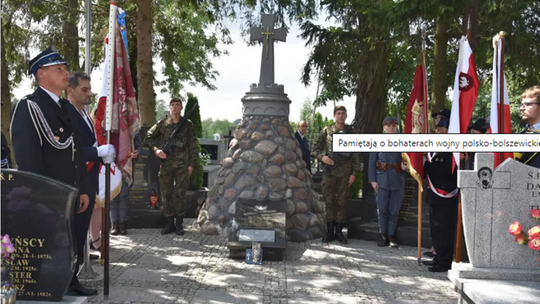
(532, 237)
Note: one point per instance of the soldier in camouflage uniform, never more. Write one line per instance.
(177, 168)
(339, 174)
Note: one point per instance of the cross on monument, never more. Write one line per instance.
(267, 34)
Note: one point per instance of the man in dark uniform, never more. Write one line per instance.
(387, 177)
(443, 202)
(79, 93)
(300, 135)
(176, 170)
(530, 113)
(45, 135)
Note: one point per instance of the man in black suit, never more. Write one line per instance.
(46, 137)
(79, 93)
(530, 113)
(300, 135)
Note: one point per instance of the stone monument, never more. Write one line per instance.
(38, 214)
(264, 169)
(491, 201)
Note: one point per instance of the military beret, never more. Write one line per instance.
(175, 99)
(389, 120)
(339, 108)
(46, 58)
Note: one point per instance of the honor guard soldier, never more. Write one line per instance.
(443, 204)
(46, 138)
(177, 168)
(387, 177)
(339, 174)
(530, 113)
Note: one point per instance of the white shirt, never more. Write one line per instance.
(53, 96)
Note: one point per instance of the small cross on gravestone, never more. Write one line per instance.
(267, 34)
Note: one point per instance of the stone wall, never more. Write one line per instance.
(264, 162)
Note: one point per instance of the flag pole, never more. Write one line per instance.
(108, 122)
(86, 270)
(459, 230)
(501, 89)
(419, 198)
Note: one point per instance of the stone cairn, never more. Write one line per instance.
(264, 160)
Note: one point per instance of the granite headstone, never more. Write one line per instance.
(38, 214)
(491, 201)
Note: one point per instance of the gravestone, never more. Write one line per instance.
(144, 196)
(38, 214)
(491, 201)
(216, 148)
(258, 222)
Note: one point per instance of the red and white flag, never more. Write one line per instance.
(497, 99)
(416, 121)
(125, 117)
(465, 92)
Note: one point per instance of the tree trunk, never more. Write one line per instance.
(5, 94)
(440, 63)
(371, 95)
(145, 74)
(70, 33)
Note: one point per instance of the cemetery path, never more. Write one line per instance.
(147, 267)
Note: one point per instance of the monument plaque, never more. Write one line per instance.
(257, 221)
(38, 215)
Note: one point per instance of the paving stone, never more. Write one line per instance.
(123, 294)
(151, 275)
(166, 260)
(238, 280)
(219, 297)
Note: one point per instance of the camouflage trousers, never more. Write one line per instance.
(173, 182)
(336, 193)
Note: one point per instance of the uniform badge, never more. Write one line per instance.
(57, 138)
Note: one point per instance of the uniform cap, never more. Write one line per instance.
(48, 57)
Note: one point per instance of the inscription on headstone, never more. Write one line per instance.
(38, 215)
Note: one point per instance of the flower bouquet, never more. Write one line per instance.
(8, 290)
(532, 237)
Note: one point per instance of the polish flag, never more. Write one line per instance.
(465, 92)
(496, 97)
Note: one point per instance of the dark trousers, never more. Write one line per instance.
(443, 223)
(82, 223)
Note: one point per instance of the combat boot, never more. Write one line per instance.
(329, 236)
(384, 241)
(114, 229)
(179, 228)
(340, 237)
(169, 227)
